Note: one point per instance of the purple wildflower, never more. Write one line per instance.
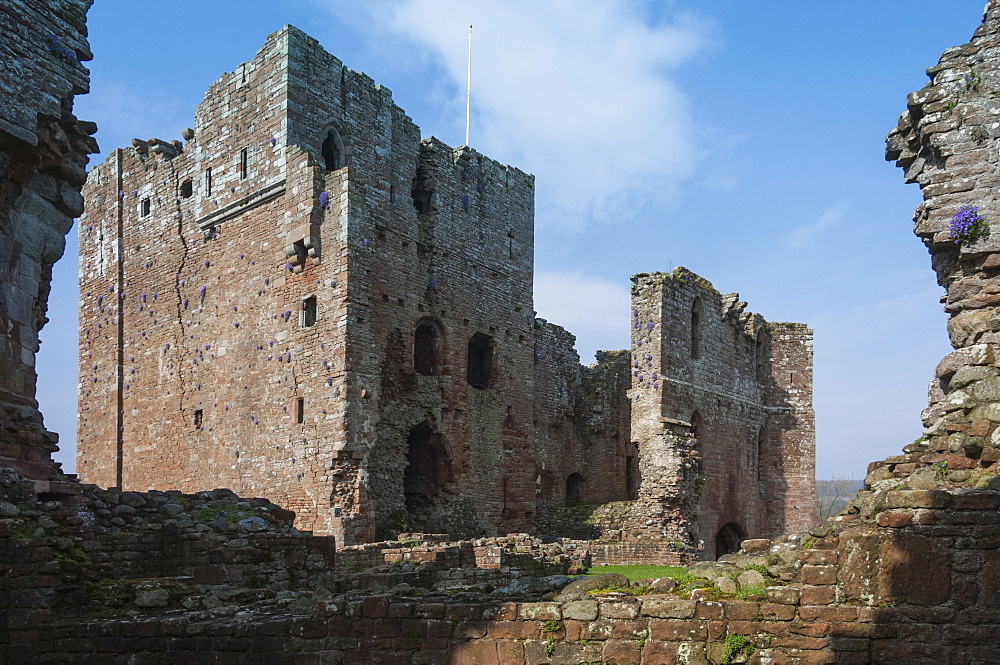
(324, 200)
(967, 225)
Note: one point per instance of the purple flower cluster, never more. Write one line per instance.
(324, 200)
(967, 225)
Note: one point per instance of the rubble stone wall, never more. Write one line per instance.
(43, 152)
(910, 577)
(946, 142)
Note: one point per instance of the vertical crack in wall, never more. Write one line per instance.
(178, 277)
(120, 316)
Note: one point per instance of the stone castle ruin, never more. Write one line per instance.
(908, 573)
(307, 302)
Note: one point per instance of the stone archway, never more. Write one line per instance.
(728, 539)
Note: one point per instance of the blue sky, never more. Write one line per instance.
(742, 140)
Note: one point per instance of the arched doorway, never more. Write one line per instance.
(428, 468)
(574, 488)
(728, 540)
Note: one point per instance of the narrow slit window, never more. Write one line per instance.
(208, 182)
(144, 207)
(199, 416)
(300, 410)
(243, 164)
(696, 329)
(308, 314)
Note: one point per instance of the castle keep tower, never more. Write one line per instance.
(305, 301)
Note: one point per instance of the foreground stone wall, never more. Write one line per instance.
(946, 142)
(906, 576)
(43, 152)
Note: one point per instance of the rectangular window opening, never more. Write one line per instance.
(300, 410)
(199, 416)
(187, 189)
(243, 164)
(144, 208)
(208, 182)
(308, 315)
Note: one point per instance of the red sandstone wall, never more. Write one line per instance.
(581, 420)
(753, 443)
(198, 297)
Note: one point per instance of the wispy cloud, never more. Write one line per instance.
(579, 93)
(805, 235)
(594, 309)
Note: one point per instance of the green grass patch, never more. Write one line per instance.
(634, 573)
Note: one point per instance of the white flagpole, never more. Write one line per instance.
(468, 88)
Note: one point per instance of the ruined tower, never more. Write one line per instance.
(307, 302)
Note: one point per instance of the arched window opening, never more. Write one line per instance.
(187, 189)
(696, 329)
(332, 150)
(428, 468)
(574, 488)
(696, 425)
(426, 349)
(728, 540)
(480, 361)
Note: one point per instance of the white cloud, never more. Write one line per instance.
(594, 309)
(805, 235)
(576, 92)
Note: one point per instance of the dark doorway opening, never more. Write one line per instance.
(574, 488)
(632, 477)
(728, 540)
(428, 468)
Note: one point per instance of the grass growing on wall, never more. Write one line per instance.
(634, 573)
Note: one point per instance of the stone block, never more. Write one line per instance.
(668, 609)
(581, 610)
(678, 631)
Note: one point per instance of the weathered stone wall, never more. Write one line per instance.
(43, 152)
(906, 576)
(721, 413)
(193, 357)
(946, 142)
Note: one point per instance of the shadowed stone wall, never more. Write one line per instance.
(43, 152)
